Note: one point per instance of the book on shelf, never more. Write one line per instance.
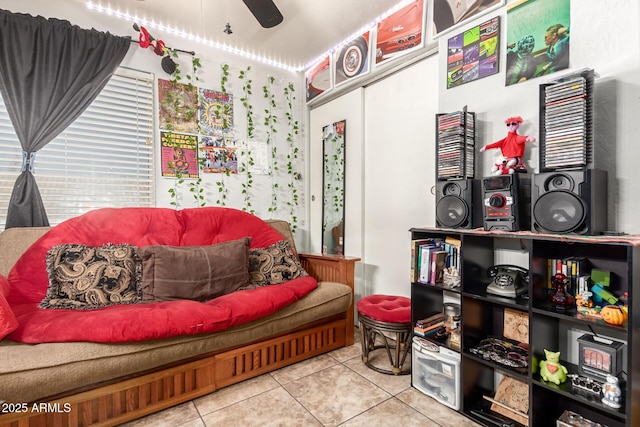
(425, 261)
(572, 267)
(415, 257)
(431, 320)
(453, 245)
(438, 264)
(429, 330)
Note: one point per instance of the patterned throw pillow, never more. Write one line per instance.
(85, 277)
(273, 265)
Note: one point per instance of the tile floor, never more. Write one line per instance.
(333, 389)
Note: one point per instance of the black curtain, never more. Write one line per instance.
(50, 71)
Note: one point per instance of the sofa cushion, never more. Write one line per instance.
(85, 277)
(8, 322)
(145, 227)
(274, 264)
(198, 273)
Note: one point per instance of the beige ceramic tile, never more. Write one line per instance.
(392, 384)
(390, 413)
(235, 393)
(336, 394)
(345, 353)
(434, 410)
(304, 368)
(273, 408)
(181, 415)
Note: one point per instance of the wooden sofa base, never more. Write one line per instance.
(140, 396)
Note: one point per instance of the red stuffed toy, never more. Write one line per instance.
(512, 146)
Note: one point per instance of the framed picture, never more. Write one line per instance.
(352, 59)
(318, 78)
(401, 32)
(473, 54)
(447, 15)
(537, 39)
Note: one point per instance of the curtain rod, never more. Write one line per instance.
(190, 52)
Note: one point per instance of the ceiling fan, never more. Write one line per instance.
(265, 11)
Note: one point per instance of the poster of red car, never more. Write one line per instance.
(400, 32)
(352, 59)
(318, 78)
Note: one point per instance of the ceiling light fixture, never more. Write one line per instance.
(235, 51)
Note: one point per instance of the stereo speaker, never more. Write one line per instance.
(458, 204)
(506, 202)
(569, 202)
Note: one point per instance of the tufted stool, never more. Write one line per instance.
(381, 316)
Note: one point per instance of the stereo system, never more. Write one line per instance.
(569, 201)
(458, 204)
(558, 202)
(506, 202)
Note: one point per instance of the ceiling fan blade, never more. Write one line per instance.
(265, 11)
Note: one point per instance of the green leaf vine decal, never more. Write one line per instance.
(292, 156)
(248, 161)
(223, 191)
(270, 121)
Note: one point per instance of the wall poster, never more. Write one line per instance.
(179, 154)
(172, 94)
(401, 32)
(448, 15)
(537, 39)
(352, 59)
(318, 78)
(473, 54)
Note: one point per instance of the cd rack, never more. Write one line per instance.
(566, 122)
(455, 145)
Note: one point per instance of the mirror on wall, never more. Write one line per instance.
(333, 143)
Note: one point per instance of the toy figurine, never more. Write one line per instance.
(500, 167)
(611, 392)
(512, 147)
(560, 297)
(551, 370)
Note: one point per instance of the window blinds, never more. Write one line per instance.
(103, 159)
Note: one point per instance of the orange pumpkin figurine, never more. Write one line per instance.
(614, 314)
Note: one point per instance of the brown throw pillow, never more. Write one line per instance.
(85, 277)
(273, 265)
(198, 273)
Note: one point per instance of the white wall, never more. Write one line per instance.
(398, 163)
(390, 128)
(605, 36)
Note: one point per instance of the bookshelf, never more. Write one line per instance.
(547, 327)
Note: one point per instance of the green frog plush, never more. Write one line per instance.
(551, 370)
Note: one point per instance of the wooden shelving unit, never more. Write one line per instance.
(482, 316)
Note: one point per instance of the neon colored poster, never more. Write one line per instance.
(179, 154)
(537, 39)
(473, 54)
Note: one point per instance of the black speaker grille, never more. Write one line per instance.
(452, 211)
(559, 212)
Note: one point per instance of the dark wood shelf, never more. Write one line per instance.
(483, 315)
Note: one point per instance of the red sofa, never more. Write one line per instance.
(121, 362)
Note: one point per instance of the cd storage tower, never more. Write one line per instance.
(566, 122)
(455, 145)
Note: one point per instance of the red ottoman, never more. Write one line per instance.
(386, 316)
